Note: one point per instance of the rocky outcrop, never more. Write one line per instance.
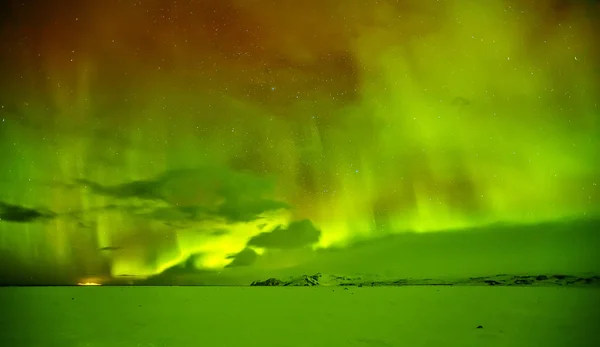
(302, 281)
(271, 282)
(496, 280)
(533, 280)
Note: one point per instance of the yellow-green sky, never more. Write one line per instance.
(134, 134)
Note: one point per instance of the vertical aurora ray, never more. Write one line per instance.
(178, 130)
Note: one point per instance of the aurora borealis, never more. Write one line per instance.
(137, 135)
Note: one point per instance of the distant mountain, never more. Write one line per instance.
(373, 280)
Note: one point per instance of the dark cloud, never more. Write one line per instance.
(110, 248)
(136, 189)
(298, 234)
(219, 232)
(199, 194)
(187, 266)
(20, 214)
(184, 273)
(248, 210)
(173, 214)
(244, 258)
(164, 187)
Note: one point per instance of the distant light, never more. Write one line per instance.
(89, 284)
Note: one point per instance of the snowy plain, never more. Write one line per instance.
(299, 316)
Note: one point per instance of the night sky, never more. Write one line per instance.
(138, 135)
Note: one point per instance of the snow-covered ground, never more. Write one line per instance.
(299, 316)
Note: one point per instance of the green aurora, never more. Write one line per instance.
(136, 137)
